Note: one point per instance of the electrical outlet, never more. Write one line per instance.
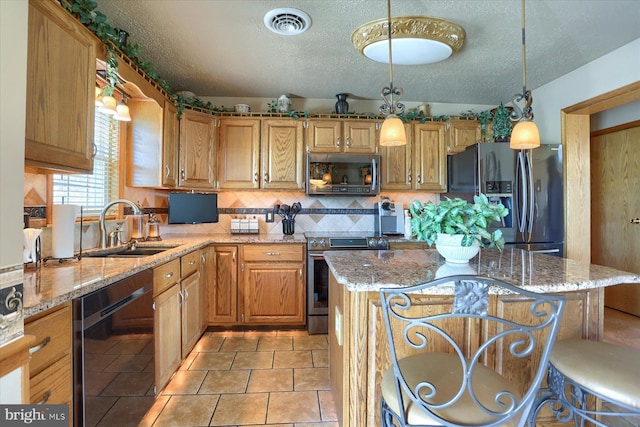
(268, 216)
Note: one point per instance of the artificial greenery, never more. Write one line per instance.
(457, 216)
(111, 74)
(501, 124)
(484, 118)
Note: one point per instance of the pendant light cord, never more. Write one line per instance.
(390, 54)
(524, 55)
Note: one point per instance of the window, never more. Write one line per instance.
(94, 191)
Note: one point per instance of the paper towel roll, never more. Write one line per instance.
(63, 232)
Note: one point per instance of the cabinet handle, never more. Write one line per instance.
(153, 306)
(242, 317)
(192, 262)
(338, 142)
(300, 273)
(273, 253)
(266, 177)
(40, 346)
(255, 177)
(45, 398)
(348, 141)
(203, 259)
(420, 179)
(186, 294)
(95, 151)
(409, 177)
(182, 173)
(168, 275)
(166, 167)
(234, 257)
(181, 299)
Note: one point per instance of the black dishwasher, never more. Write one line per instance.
(114, 353)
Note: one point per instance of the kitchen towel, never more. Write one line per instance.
(63, 233)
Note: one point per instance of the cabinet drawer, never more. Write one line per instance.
(54, 328)
(166, 275)
(277, 252)
(190, 263)
(52, 384)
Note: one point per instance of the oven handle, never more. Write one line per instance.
(312, 255)
(96, 317)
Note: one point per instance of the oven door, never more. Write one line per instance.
(317, 293)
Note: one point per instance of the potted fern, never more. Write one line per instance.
(458, 228)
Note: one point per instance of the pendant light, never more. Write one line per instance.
(122, 111)
(525, 134)
(392, 132)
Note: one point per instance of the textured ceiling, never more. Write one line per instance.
(222, 48)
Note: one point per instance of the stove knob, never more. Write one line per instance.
(382, 243)
(371, 243)
(313, 243)
(323, 243)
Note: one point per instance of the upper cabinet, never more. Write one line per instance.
(282, 154)
(396, 164)
(198, 149)
(170, 142)
(238, 163)
(430, 155)
(342, 136)
(61, 75)
(462, 133)
(258, 153)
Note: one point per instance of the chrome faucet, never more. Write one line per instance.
(103, 230)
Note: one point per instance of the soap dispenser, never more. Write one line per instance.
(153, 228)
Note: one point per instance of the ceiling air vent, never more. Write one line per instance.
(287, 21)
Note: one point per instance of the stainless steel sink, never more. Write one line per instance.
(138, 252)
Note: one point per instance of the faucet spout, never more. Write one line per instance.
(103, 230)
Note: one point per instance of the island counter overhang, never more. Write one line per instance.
(358, 353)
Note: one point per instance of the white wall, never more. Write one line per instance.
(609, 72)
(13, 87)
(616, 116)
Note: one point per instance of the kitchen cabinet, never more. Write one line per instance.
(274, 290)
(51, 365)
(176, 290)
(198, 150)
(282, 155)
(258, 284)
(396, 164)
(430, 156)
(170, 143)
(239, 160)
(342, 136)
(207, 269)
(144, 165)
(223, 289)
(462, 133)
(61, 79)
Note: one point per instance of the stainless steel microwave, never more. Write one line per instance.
(343, 174)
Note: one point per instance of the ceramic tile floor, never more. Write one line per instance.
(278, 378)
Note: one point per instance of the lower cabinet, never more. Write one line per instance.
(50, 368)
(258, 284)
(177, 321)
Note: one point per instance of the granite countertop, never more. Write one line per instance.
(53, 283)
(372, 270)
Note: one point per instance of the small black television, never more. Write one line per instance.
(193, 208)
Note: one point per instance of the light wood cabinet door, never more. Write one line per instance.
(197, 137)
(238, 160)
(223, 291)
(430, 155)
(360, 137)
(462, 133)
(170, 142)
(144, 143)
(324, 136)
(396, 163)
(167, 324)
(190, 288)
(61, 79)
(282, 154)
(274, 293)
(207, 269)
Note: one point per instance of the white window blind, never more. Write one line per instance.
(94, 191)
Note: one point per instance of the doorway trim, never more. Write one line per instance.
(576, 137)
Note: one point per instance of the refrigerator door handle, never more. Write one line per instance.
(531, 194)
(521, 199)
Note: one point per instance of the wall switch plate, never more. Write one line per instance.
(268, 216)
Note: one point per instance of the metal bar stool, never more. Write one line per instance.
(580, 370)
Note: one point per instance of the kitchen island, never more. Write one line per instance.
(358, 351)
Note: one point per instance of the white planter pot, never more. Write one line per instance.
(450, 247)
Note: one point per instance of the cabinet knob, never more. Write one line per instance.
(168, 275)
(45, 398)
(192, 262)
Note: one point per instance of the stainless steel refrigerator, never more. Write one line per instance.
(528, 182)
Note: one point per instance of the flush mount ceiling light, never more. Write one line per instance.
(416, 39)
(287, 21)
(525, 134)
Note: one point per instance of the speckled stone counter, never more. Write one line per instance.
(372, 270)
(54, 283)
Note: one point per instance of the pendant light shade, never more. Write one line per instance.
(109, 105)
(392, 133)
(122, 112)
(98, 96)
(524, 136)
